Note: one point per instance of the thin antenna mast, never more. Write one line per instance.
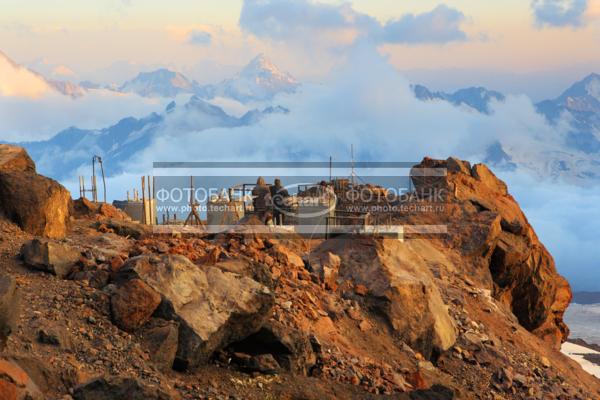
(352, 155)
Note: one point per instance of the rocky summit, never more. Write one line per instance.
(95, 306)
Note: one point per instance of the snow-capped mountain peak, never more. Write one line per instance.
(262, 68)
(259, 80)
(588, 89)
(161, 82)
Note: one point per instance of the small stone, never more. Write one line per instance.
(361, 290)
(545, 362)
(365, 325)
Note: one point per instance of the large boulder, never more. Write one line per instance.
(399, 285)
(14, 158)
(488, 228)
(112, 388)
(10, 307)
(46, 255)
(39, 205)
(133, 303)
(214, 308)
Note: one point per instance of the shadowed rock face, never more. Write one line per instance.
(487, 226)
(10, 308)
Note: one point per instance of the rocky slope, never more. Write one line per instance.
(488, 228)
(113, 311)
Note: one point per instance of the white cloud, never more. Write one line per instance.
(341, 25)
(54, 112)
(62, 70)
(18, 81)
(441, 25)
(369, 104)
(198, 37)
(559, 13)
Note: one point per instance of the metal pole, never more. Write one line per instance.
(94, 189)
(154, 199)
(144, 199)
(352, 157)
(150, 214)
(94, 179)
(103, 178)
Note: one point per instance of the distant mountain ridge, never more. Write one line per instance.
(582, 102)
(159, 83)
(576, 161)
(477, 98)
(260, 80)
(71, 148)
(574, 158)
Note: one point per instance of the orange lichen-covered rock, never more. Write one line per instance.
(487, 226)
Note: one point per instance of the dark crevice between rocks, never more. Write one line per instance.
(522, 296)
(498, 267)
(513, 227)
(479, 206)
(262, 342)
(180, 365)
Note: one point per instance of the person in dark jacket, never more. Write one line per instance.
(260, 197)
(279, 196)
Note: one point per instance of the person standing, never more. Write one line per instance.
(260, 197)
(279, 196)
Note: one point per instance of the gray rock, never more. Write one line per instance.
(400, 286)
(160, 339)
(49, 256)
(55, 335)
(10, 308)
(126, 228)
(213, 308)
(264, 364)
(114, 388)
